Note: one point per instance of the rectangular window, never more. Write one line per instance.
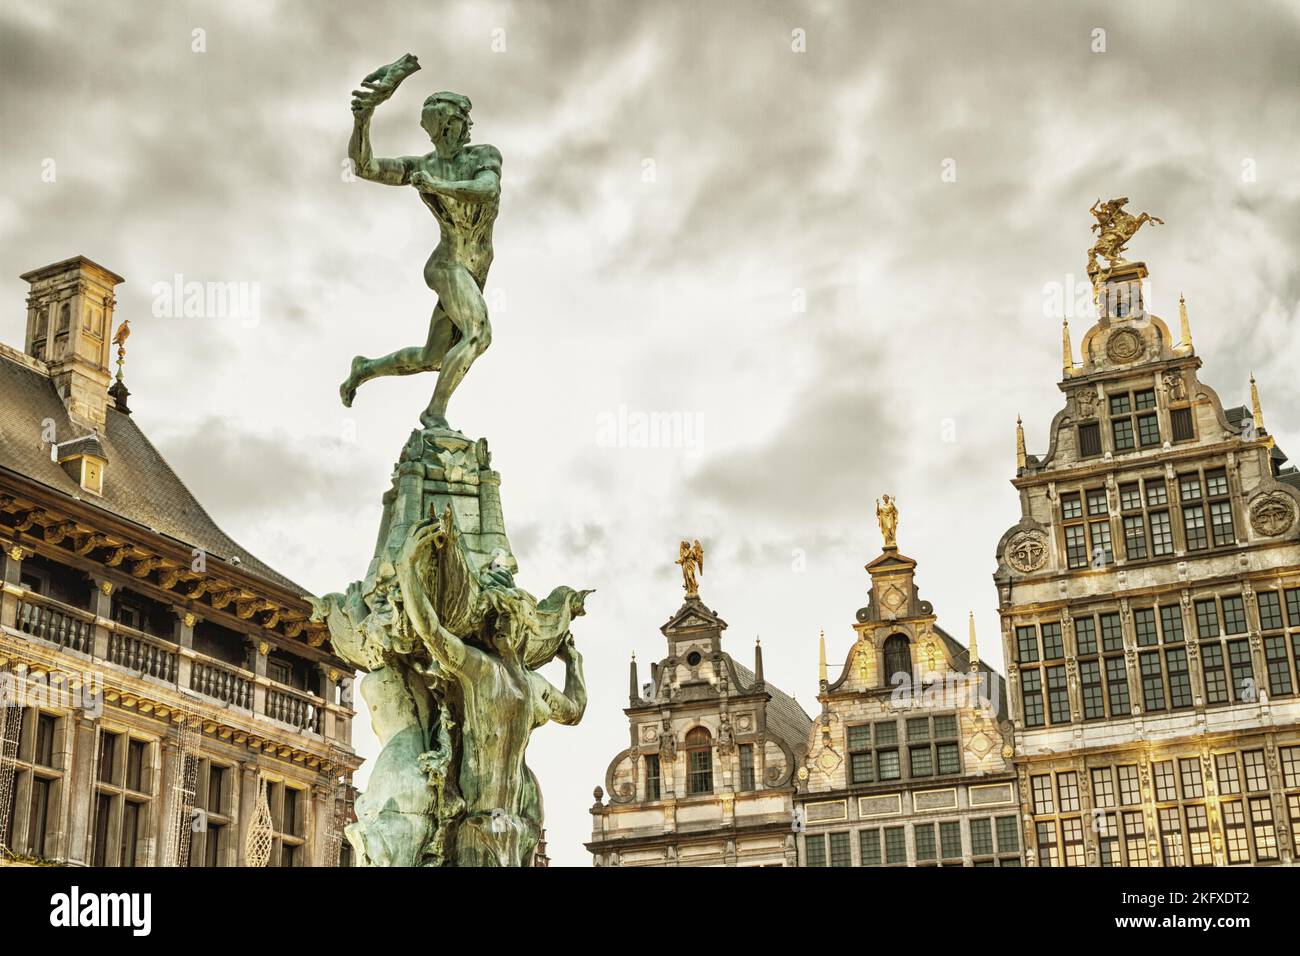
(1165, 783)
(1067, 789)
(1042, 788)
(1198, 834)
(981, 837)
(1228, 773)
(921, 761)
(1171, 623)
(950, 840)
(1279, 666)
(1053, 646)
(699, 778)
(1058, 695)
(1031, 692)
(1117, 687)
(841, 855)
(1089, 440)
(1130, 791)
(1112, 633)
(1123, 429)
(1270, 610)
(1103, 787)
(1171, 836)
(1234, 831)
(861, 761)
(1076, 547)
(652, 779)
(895, 845)
(1256, 772)
(1101, 548)
(1027, 644)
(1207, 619)
(1085, 635)
(1234, 616)
(1221, 523)
(1162, 534)
(1180, 420)
(1094, 706)
(1071, 507)
(1047, 845)
(1261, 821)
(1189, 772)
(1144, 627)
(925, 845)
(1194, 527)
(1153, 684)
(1135, 537)
(746, 753)
(1008, 830)
(815, 850)
(1148, 431)
(869, 847)
(949, 758)
(1180, 683)
(1243, 671)
(1216, 677)
(1135, 840)
(1072, 840)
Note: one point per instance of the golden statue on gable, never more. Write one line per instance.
(691, 558)
(887, 515)
(1115, 228)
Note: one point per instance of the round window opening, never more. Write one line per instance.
(693, 658)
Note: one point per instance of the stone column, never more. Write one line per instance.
(13, 575)
(260, 650)
(101, 603)
(80, 780)
(321, 827)
(183, 634)
(246, 795)
(166, 804)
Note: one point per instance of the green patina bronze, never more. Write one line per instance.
(450, 646)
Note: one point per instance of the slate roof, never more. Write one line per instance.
(785, 717)
(139, 485)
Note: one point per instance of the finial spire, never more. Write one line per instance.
(974, 648)
(1254, 404)
(1185, 327)
(1067, 352)
(821, 658)
(758, 660)
(1021, 457)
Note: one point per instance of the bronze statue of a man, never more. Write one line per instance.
(461, 186)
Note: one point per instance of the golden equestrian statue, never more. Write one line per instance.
(1115, 227)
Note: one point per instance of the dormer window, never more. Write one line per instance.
(898, 659)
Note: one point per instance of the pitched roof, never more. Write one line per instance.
(785, 717)
(139, 485)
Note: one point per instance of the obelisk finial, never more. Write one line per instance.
(1185, 341)
(974, 648)
(1255, 408)
(1021, 457)
(821, 658)
(1067, 352)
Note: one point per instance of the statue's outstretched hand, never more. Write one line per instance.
(382, 83)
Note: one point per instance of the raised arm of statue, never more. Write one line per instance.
(413, 569)
(567, 707)
(376, 88)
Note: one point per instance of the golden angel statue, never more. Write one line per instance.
(691, 558)
(887, 515)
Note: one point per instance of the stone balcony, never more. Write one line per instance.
(108, 647)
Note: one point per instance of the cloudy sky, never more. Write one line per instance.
(819, 234)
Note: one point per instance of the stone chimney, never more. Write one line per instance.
(70, 329)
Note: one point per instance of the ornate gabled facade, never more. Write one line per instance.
(167, 698)
(1150, 605)
(707, 777)
(909, 760)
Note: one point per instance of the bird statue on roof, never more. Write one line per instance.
(123, 333)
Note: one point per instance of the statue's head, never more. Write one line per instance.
(446, 119)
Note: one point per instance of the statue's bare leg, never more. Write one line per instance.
(408, 361)
(460, 296)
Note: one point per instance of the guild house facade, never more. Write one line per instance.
(707, 777)
(909, 761)
(1150, 606)
(167, 699)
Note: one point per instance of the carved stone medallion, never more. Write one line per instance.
(1272, 514)
(1027, 551)
(1124, 346)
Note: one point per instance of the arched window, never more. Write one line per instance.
(898, 658)
(699, 761)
